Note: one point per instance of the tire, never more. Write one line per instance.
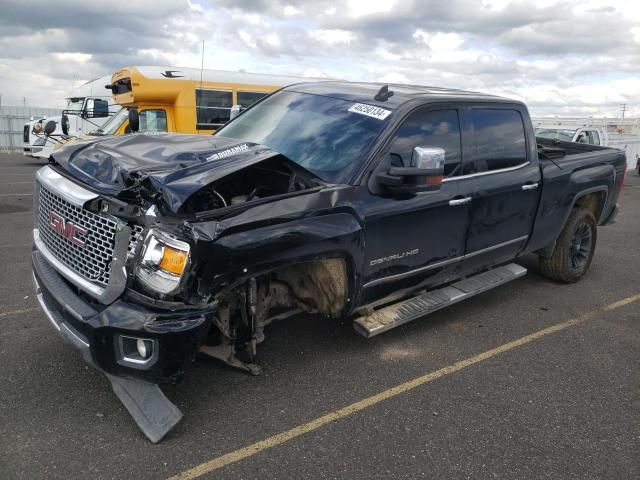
(574, 248)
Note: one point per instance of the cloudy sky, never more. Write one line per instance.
(561, 57)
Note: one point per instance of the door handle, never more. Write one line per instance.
(530, 186)
(459, 201)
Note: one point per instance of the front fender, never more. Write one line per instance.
(234, 257)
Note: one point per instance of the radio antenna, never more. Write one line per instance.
(201, 71)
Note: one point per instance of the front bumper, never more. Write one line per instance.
(96, 330)
(30, 151)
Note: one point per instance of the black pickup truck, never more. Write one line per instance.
(380, 203)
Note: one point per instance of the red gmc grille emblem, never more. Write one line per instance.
(68, 230)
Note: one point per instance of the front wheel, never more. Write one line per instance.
(574, 248)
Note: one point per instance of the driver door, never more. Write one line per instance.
(418, 240)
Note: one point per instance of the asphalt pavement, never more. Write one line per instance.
(561, 403)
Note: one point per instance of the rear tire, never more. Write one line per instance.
(574, 248)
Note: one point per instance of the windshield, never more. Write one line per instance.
(317, 132)
(111, 126)
(75, 103)
(553, 134)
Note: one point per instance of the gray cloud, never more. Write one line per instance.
(114, 34)
(140, 16)
(450, 16)
(516, 50)
(101, 29)
(601, 31)
(520, 27)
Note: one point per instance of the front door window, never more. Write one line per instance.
(153, 121)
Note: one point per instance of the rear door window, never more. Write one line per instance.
(439, 128)
(499, 139)
(594, 137)
(213, 108)
(246, 99)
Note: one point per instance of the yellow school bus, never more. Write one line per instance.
(186, 100)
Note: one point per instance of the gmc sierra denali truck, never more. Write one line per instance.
(376, 203)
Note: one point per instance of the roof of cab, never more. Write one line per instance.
(365, 93)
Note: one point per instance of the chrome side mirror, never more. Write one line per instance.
(429, 158)
(425, 173)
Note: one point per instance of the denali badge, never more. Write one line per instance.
(68, 230)
(395, 256)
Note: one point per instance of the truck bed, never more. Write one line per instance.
(562, 149)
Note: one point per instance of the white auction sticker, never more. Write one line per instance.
(370, 111)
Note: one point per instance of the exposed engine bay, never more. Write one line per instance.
(183, 174)
(275, 176)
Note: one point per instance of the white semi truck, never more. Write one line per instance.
(88, 108)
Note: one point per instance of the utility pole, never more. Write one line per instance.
(24, 101)
(623, 107)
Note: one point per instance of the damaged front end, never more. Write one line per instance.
(84, 263)
(131, 266)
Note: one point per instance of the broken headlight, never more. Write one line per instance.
(163, 261)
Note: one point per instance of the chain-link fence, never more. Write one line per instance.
(12, 120)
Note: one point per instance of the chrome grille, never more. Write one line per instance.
(91, 261)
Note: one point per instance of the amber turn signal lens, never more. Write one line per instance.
(173, 261)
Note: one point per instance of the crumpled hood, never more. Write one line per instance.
(174, 166)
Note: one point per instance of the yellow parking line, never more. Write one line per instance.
(319, 422)
(622, 303)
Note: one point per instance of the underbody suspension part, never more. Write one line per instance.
(238, 341)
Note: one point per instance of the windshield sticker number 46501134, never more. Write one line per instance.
(370, 111)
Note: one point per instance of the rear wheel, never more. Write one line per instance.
(574, 248)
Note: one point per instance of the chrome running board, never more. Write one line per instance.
(411, 309)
